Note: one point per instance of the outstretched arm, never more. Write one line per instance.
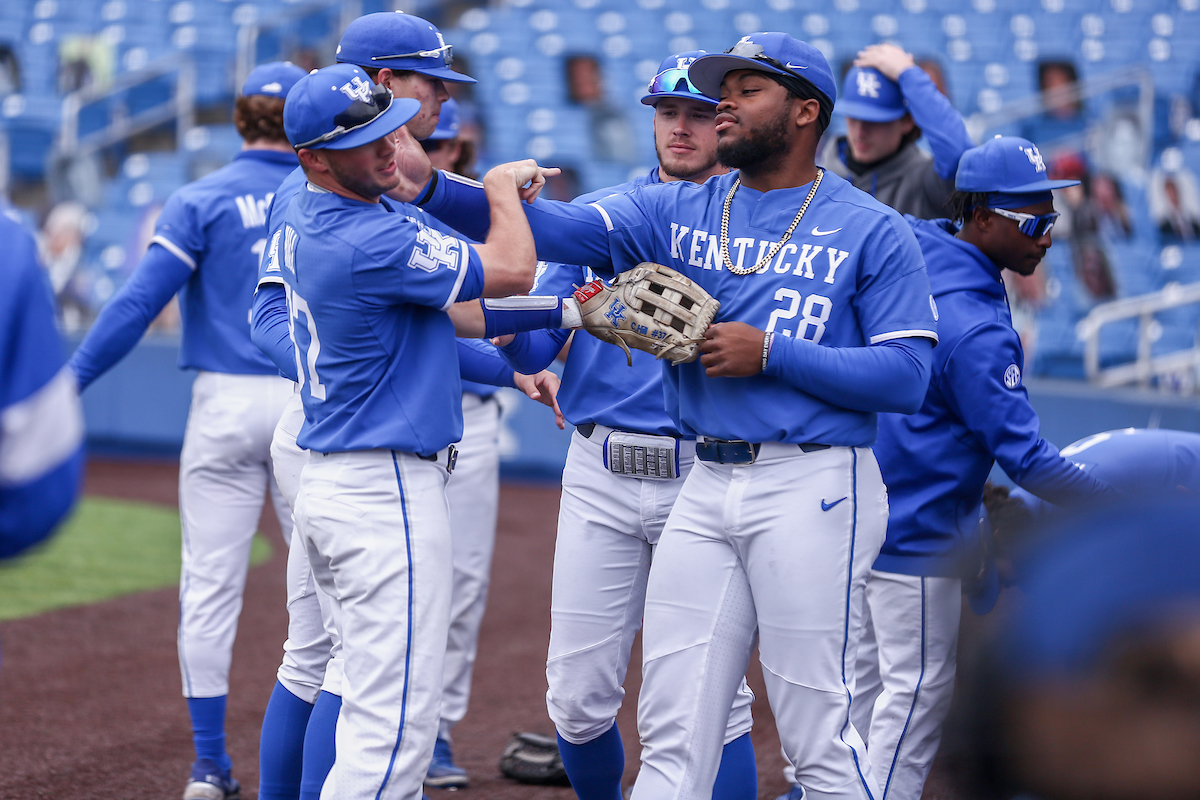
(270, 328)
(127, 316)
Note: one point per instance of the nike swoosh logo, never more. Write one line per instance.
(826, 506)
(816, 232)
(790, 65)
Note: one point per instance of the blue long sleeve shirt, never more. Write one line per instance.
(976, 412)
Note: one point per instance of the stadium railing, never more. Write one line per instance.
(1174, 371)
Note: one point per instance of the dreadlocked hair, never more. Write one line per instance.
(259, 118)
(960, 205)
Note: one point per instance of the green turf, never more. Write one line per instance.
(107, 548)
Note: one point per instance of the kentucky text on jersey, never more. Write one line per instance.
(698, 248)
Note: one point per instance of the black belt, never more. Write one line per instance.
(721, 451)
(451, 457)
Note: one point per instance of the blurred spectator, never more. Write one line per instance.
(10, 70)
(84, 62)
(612, 135)
(1081, 222)
(888, 102)
(61, 246)
(1108, 202)
(446, 147)
(1175, 205)
(1063, 115)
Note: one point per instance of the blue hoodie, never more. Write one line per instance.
(936, 461)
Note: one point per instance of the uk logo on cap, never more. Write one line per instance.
(1034, 157)
(868, 84)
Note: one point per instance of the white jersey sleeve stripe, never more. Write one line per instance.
(607, 219)
(174, 250)
(887, 337)
(42, 431)
(464, 264)
(454, 176)
(269, 279)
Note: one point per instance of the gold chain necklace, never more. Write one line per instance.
(729, 265)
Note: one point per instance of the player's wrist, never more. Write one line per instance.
(572, 315)
(768, 340)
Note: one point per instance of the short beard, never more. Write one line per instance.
(677, 170)
(758, 150)
(361, 187)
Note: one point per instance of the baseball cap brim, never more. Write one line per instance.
(867, 112)
(400, 111)
(1040, 186)
(445, 73)
(653, 98)
(707, 72)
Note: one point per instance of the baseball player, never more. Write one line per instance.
(376, 360)
(41, 423)
(610, 519)
(935, 462)
(206, 247)
(889, 102)
(825, 320)
(417, 61)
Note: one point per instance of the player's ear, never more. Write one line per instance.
(313, 160)
(806, 112)
(383, 76)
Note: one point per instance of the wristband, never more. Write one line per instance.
(428, 193)
(768, 338)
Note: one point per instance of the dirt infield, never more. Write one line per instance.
(90, 703)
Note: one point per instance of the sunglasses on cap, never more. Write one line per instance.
(1034, 226)
(446, 52)
(755, 51)
(668, 81)
(356, 115)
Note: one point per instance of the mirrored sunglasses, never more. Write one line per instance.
(445, 52)
(1034, 226)
(669, 79)
(356, 115)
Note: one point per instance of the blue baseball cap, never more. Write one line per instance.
(447, 127)
(1007, 165)
(871, 96)
(772, 53)
(397, 40)
(672, 80)
(273, 79)
(340, 107)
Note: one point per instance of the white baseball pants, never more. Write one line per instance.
(473, 495)
(312, 640)
(377, 533)
(906, 676)
(608, 526)
(224, 475)
(778, 550)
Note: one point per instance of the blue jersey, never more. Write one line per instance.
(377, 360)
(976, 412)
(41, 424)
(218, 227)
(1139, 462)
(479, 360)
(598, 384)
(851, 275)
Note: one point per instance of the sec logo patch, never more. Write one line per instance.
(1012, 376)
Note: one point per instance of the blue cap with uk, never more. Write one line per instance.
(398, 41)
(1005, 164)
(273, 79)
(448, 124)
(772, 53)
(672, 80)
(339, 107)
(870, 96)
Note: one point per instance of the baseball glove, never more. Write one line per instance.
(533, 758)
(651, 308)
